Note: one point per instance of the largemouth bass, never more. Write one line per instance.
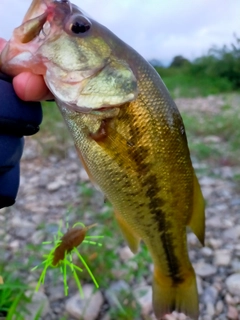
(128, 133)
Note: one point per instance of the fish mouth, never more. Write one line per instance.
(36, 27)
(31, 29)
(21, 47)
(37, 22)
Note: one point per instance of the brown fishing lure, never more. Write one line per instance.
(70, 240)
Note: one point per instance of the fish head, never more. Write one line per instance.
(80, 59)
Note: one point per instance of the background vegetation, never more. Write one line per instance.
(216, 72)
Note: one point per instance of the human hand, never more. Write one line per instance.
(29, 86)
(17, 118)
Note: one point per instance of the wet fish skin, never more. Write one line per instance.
(129, 136)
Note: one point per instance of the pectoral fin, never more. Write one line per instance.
(129, 235)
(197, 220)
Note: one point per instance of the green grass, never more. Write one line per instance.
(182, 84)
(53, 136)
(12, 295)
(126, 308)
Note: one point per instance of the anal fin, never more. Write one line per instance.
(197, 220)
(129, 235)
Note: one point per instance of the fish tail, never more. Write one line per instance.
(169, 296)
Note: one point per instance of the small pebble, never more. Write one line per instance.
(219, 307)
(232, 313)
(207, 252)
(233, 284)
(143, 296)
(125, 254)
(88, 307)
(210, 309)
(222, 257)
(204, 269)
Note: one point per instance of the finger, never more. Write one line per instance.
(2, 43)
(31, 87)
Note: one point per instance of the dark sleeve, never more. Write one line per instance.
(17, 118)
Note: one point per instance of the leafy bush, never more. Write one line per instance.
(221, 63)
(216, 72)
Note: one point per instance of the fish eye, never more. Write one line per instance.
(80, 25)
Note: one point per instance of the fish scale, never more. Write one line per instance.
(128, 133)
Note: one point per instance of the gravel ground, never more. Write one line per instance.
(49, 184)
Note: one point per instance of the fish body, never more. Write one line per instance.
(128, 133)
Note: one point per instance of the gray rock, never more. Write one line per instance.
(207, 181)
(83, 175)
(39, 301)
(219, 307)
(232, 313)
(112, 294)
(37, 237)
(207, 252)
(55, 185)
(212, 139)
(199, 285)
(2, 211)
(237, 246)
(210, 310)
(23, 228)
(215, 222)
(236, 300)
(182, 316)
(32, 149)
(233, 284)
(125, 253)
(170, 317)
(229, 299)
(86, 308)
(192, 239)
(207, 191)
(14, 245)
(106, 317)
(56, 293)
(215, 243)
(235, 202)
(222, 257)
(210, 295)
(235, 265)
(143, 296)
(227, 172)
(207, 317)
(232, 233)
(204, 269)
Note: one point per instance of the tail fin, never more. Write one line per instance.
(168, 297)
